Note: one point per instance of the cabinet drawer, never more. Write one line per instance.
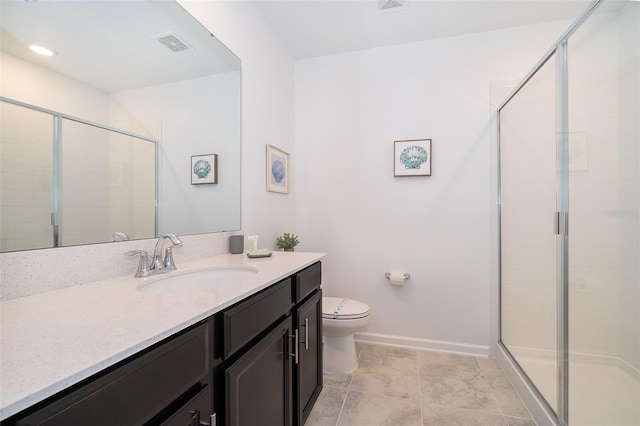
(248, 319)
(135, 392)
(307, 281)
(195, 412)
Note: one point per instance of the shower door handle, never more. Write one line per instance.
(560, 223)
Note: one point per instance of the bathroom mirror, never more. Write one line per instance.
(140, 89)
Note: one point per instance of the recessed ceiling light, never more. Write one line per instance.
(42, 50)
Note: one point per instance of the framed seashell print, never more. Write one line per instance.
(204, 169)
(277, 170)
(412, 158)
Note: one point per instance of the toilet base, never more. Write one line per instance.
(339, 355)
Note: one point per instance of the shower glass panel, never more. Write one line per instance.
(26, 178)
(107, 185)
(604, 258)
(528, 246)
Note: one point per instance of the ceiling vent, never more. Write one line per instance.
(388, 5)
(173, 43)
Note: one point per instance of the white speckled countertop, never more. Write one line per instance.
(53, 340)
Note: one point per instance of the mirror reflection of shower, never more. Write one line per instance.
(66, 181)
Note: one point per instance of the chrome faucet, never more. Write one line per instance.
(159, 263)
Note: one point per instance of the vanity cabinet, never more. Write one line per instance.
(259, 385)
(276, 378)
(309, 368)
(308, 317)
(257, 362)
(143, 390)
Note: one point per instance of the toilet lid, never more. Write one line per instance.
(343, 308)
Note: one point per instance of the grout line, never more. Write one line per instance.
(348, 389)
(419, 387)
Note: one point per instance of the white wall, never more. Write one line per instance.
(349, 110)
(267, 111)
(267, 118)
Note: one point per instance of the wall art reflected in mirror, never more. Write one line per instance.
(96, 137)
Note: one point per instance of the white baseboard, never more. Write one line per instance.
(432, 345)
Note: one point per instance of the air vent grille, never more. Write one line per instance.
(173, 43)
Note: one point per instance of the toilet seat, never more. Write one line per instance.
(338, 308)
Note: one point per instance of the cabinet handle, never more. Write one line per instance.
(195, 417)
(295, 346)
(212, 421)
(306, 333)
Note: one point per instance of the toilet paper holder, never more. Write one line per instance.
(387, 275)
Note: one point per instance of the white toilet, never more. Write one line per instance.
(341, 318)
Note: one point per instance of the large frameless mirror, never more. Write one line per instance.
(97, 139)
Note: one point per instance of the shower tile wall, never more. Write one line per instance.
(26, 169)
(603, 187)
(528, 201)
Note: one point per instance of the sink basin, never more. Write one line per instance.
(202, 279)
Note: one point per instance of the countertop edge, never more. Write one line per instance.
(43, 392)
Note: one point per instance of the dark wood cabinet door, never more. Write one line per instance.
(197, 411)
(134, 392)
(309, 369)
(259, 384)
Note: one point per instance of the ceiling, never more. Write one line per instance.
(111, 45)
(310, 28)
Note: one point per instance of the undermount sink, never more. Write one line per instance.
(201, 279)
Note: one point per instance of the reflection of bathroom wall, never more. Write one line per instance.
(199, 116)
(131, 186)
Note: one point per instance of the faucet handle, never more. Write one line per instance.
(169, 265)
(143, 265)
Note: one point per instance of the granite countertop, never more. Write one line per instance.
(53, 340)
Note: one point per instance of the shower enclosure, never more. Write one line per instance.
(569, 192)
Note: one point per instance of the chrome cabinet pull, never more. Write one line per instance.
(212, 420)
(295, 346)
(306, 334)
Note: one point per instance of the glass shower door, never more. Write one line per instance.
(528, 245)
(604, 257)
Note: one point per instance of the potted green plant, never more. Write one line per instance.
(287, 241)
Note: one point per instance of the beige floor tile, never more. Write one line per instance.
(430, 358)
(457, 386)
(439, 415)
(374, 382)
(516, 421)
(337, 380)
(387, 359)
(508, 399)
(361, 409)
(327, 408)
(391, 384)
(488, 363)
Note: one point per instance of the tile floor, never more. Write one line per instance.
(406, 387)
